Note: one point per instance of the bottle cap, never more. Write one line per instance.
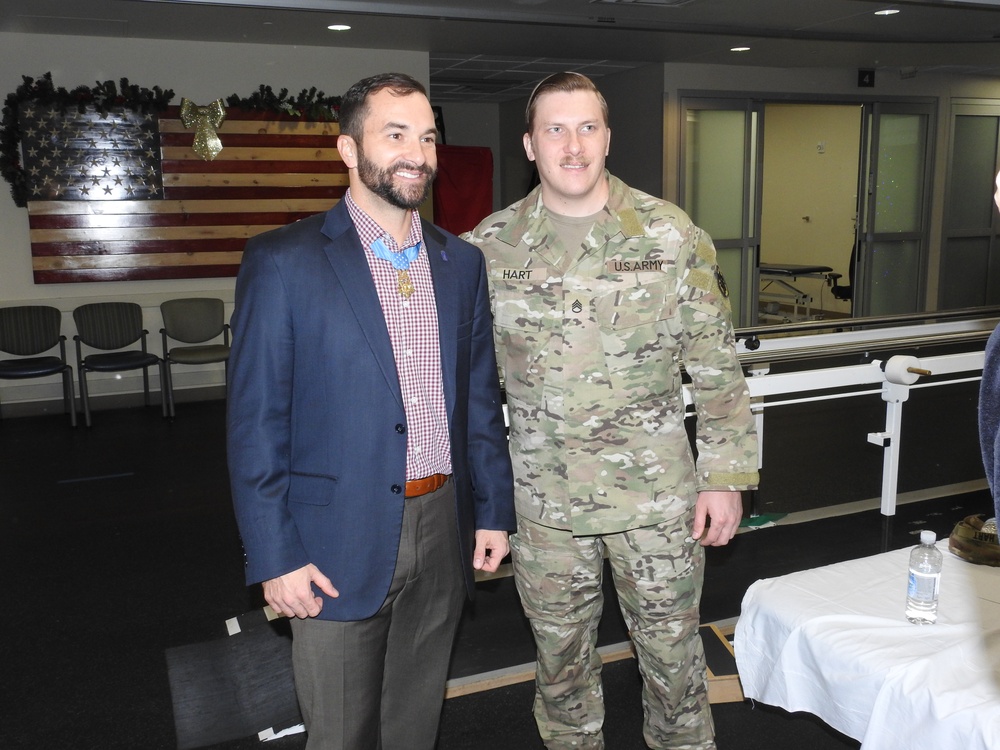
(927, 537)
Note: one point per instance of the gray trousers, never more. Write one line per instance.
(378, 684)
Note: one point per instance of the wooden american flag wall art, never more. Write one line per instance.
(124, 196)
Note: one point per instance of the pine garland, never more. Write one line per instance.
(309, 104)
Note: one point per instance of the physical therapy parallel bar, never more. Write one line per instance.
(894, 372)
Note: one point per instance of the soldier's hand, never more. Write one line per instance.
(717, 516)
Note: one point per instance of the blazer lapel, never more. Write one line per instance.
(347, 258)
(446, 299)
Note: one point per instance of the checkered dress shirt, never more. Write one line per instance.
(413, 331)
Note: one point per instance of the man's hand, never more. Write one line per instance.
(291, 595)
(491, 548)
(725, 509)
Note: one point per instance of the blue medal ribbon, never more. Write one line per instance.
(401, 260)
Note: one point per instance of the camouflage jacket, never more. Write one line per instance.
(591, 359)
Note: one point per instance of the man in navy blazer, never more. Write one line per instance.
(367, 447)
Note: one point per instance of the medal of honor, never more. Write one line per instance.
(403, 282)
(401, 262)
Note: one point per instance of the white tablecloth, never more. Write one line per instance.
(834, 641)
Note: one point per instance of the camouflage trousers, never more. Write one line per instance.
(657, 572)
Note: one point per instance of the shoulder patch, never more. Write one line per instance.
(630, 224)
(700, 279)
(720, 281)
(705, 249)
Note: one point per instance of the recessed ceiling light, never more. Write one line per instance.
(887, 12)
(739, 49)
(339, 27)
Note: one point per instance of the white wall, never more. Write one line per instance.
(810, 194)
(198, 71)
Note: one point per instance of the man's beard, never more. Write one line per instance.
(380, 181)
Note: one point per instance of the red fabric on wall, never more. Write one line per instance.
(463, 191)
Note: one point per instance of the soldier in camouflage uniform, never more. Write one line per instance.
(600, 293)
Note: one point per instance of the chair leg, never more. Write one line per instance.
(166, 390)
(68, 397)
(145, 384)
(84, 397)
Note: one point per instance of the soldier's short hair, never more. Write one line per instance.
(565, 82)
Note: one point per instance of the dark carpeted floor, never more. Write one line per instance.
(502, 719)
(118, 543)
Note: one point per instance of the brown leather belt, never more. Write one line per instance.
(417, 487)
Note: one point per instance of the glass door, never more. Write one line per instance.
(722, 157)
(970, 255)
(720, 143)
(894, 206)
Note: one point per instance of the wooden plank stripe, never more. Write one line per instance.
(232, 179)
(136, 261)
(116, 221)
(331, 192)
(269, 115)
(158, 233)
(122, 247)
(220, 165)
(259, 153)
(234, 125)
(133, 274)
(245, 140)
(64, 208)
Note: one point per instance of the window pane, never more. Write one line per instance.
(970, 199)
(900, 173)
(714, 171)
(964, 271)
(894, 286)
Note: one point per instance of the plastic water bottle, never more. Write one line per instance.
(924, 580)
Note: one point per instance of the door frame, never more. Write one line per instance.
(749, 244)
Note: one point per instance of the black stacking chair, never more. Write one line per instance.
(846, 292)
(28, 331)
(194, 321)
(109, 326)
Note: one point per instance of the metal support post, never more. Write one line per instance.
(900, 373)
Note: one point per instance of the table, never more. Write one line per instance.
(777, 274)
(833, 641)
